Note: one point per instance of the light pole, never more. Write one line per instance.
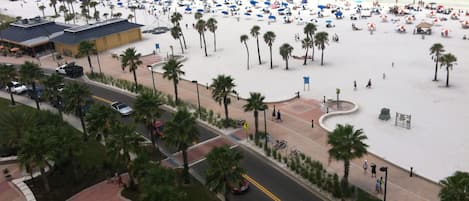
(198, 96)
(337, 91)
(152, 78)
(385, 170)
(265, 122)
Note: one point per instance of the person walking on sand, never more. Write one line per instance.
(354, 85)
(368, 85)
(273, 113)
(373, 170)
(384, 76)
(365, 166)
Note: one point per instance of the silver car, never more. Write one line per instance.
(122, 108)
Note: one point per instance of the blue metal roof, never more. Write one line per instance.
(26, 35)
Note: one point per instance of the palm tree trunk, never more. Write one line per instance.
(225, 104)
(227, 191)
(152, 136)
(247, 51)
(258, 50)
(205, 44)
(89, 62)
(83, 126)
(11, 96)
(43, 14)
(312, 52)
(186, 166)
(346, 170)
(184, 39)
(44, 179)
(182, 48)
(271, 65)
(135, 80)
(35, 95)
(322, 57)
(135, 16)
(256, 123)
(286, 62)
(55, 9)
(447, 76)
(306, 55)
(214, 42)
(436, 69)
(175, 92)
(200, 39)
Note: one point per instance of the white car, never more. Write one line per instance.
(122, 108)
(17, 87)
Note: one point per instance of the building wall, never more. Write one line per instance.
(104, 43)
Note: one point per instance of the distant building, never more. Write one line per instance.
(31, 36)
(105, 35)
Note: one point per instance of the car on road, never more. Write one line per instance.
(122, 108)
(39, 93)
(243, 187)
(70, 69)
(16, 87)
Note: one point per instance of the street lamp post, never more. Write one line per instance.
(265, 122)
(337, 91)
(152, 78)
(198, 96)
(385, 170)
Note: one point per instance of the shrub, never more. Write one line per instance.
(285, 159)
(268, 151)
(274, 153)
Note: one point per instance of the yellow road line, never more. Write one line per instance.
(262, 188)
(102, 99)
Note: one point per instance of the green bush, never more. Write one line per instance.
(274, 154)
(268, 151)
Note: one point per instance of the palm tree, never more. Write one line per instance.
(269, 38)
(112, 6)
(309, 30)
(223, 86)
(200, 26)
(198, 15)
(321, 39)
(224, 170)
(243, 39)
(455, 187)
(176, 33)
(87, 48)
(93, 5)
(448, 60)
(30, 72)
(181, 132)
(255, 103)
(100, 119)
(42, 8)
(147, 110)
(53, 3)
(306, 43)
(51, 90)
(121, 143)
(130, 58)
(212, 27)
(37, 148)
(436, 50)
(175, 19)
(69, 146)
(13, 126)
(172, 71)
(285, 52)
(255, 33)
(76, 98)
(346, 144)
(158, 184)
(7, 74)
(133, 9)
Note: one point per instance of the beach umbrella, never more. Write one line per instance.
(218, 5)
(224, 12)
(321, 6)
(304, 1)
(188, 9)
(400, 28)
(232, 6)
(328, 21)
(358, 1)
(409, 19)
(259, 16)
(200, 10)
(444, 32)
(285, 4)
(267, 3)
(271, 17)
(247, 14)
(338, 14)
(437, 22)
(465, 24)
(253, 2)
(281, 9)
(371, 26)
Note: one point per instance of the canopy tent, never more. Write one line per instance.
(15, 49)
(424, 25)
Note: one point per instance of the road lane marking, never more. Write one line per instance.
(101, 99)
(262, 188)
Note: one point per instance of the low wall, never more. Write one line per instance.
(336, 113)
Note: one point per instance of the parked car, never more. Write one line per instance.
(16, 87)
(38, 94)
(71, 70)
(122, 108)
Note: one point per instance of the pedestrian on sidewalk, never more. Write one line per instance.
(312, 123)
(119, 181)
(378, 186)
(273, 113)
(373, 170)
(365, 166)
(279, 117)
(381, 183)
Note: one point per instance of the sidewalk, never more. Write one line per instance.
(295, 128)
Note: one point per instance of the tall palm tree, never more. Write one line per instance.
(255, 103)
(309, 30)
(175, 19)
(176, 34)
(51, 90)
(198, 15)
(130, 58)
(243, 40)
(121, 143)
(255, 33)
(159, 184)
(147, 110)
(200, 26)
(13, 126)
(172, 71)
(285, 52)
(30, 72)
(133, 9)
(224, 170)
(448, 61)
(269, 38)
(321, 39)
(93, 5)
(212, 27)
(87, 48)
(7, 74)
(42, 8)
(181, 132)
(455, 187)
(112, 7)
(436, 50)
(99, 120)
(76, 98)
(37, 148)
(306, 43)
(69, 147)
(346, 145)
(53, 3)
(222, 87)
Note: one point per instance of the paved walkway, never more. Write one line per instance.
(7, 189)
(295, 128)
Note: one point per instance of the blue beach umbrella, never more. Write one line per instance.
(200, 10)
(219, 5)
(247, 14)
(224, 12)
(259, 16)
(281, 9)
(232, 6)
(188, 9)
(267, 3)
(284, 4)
(271, 17)
(321, 6)
(253, 2)
(328, 21)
